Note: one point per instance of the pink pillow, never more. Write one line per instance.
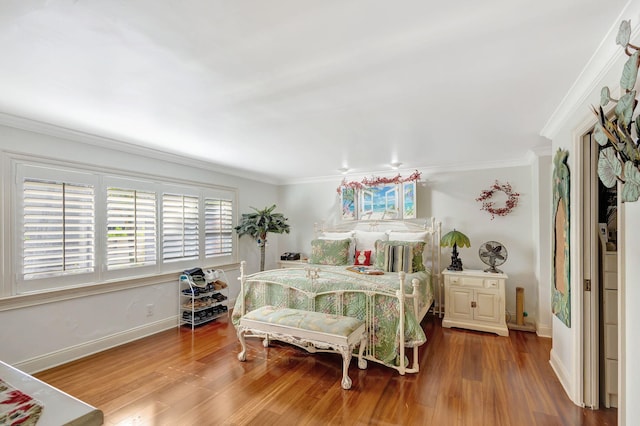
(363, 257)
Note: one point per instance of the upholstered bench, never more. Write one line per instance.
(307, 329)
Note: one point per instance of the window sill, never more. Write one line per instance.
(56, 295)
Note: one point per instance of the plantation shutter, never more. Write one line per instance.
(131, 228)
(180, 227)
(218, 217)
(58, 228)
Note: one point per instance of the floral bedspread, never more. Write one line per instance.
(384, 342)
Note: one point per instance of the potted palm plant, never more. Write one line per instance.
(259, 223)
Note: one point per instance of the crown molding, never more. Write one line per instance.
(539, 151)
(56, 131)
(48, 129)
(601, 62)
(425, 171)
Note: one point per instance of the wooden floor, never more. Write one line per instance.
(182, 378)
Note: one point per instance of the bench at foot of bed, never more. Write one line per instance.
(307, 329)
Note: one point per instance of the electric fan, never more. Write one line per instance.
(494, 254)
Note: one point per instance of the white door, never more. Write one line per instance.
(590, 241)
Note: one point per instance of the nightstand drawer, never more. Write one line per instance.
(491, 283)
(466, 281)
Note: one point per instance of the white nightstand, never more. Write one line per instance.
(475, 300)
(293, 263)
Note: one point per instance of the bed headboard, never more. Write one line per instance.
(409, 225)
(429, 229)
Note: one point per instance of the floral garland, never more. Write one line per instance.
(366, 182)
(511, 203)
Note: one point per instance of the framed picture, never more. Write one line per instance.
(348, 203)
(379, 202)
(379, 199)
(561, 289)
(409, 200)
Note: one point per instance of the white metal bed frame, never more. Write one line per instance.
(371, 291)
(430, 225)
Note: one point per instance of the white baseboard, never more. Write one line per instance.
(544, 330)
(65, 355)
(561, 373)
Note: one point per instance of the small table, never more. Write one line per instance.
(293, 263)
(59, 408)
(475, 300)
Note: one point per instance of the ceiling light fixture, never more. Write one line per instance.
(396, 165)
(343, 170)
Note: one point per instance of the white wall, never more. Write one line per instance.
(450, 197)
(565, 353)
(541, 185)
(629, 347)
(572, 120)
(40, 336)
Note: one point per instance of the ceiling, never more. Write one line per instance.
(294, 90)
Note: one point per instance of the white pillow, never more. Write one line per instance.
(335, 235)
(366, 240)
(342, 236)
(408, 236)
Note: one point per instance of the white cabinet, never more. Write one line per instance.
(610, 326)
(475, 300)
(201, 304)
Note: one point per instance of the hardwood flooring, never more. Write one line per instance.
(182, 378)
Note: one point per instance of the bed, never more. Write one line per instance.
(391, 292)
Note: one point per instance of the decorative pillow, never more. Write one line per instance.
(397, 258)
(417, 248)
(408, 236)
(366, 240)
(363, 257)
(330, 252)
(342, 236)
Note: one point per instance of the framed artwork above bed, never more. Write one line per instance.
(389, 201)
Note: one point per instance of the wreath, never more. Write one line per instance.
(488, 205)
(366, 182)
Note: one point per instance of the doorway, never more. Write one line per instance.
(599, 236)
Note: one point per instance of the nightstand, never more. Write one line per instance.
(475, 300)
(293, 263)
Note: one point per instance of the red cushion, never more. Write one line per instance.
(363, 257)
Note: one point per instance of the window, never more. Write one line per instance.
(180, 236)
(59, 228)
(218, 219)
(131, 228)
(77, 227)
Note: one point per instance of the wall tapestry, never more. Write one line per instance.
(379, 198)
(561, 289)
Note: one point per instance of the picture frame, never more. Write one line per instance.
(561, 288)
(379, 202)
(409, 210)
(348, 200)
(379, 199)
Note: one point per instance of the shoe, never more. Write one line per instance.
(191, 292)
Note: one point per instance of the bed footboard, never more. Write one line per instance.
(383, 310)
